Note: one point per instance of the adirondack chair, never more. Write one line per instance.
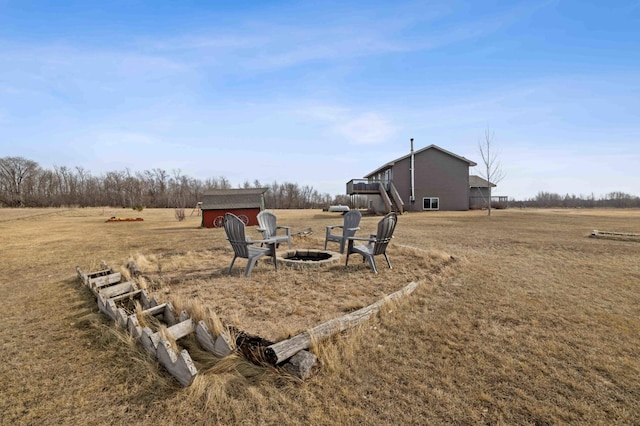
(267, 226)
(245, 248)
(376, 244)
(348, 229)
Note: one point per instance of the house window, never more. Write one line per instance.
(431, 203)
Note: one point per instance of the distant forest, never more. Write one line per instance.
(23, 183)
(547, 199)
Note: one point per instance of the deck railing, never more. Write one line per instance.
(497, 202)
(355, 186)
(385, 189)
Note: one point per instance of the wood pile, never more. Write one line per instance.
(124, 219)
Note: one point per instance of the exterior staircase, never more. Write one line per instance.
(385, 190)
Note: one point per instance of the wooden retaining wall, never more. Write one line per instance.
(117, 300)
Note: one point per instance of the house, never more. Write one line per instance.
(430, 178)
(244, 203)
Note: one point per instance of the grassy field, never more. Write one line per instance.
(533, 323)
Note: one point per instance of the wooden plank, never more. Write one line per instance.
(223, 346)
(91, 275)
(219, 346)
(155, 310)
(134, 326)
(81, 275)
(148, 302)
(107, 307)
(204, 336)
(597, 233)
(106, 271)
(179, 365)
(169, 314)
(121, 317)
(96, 283)
(126, 295)
(149, 340)
(181, 329)
(118, 289)
(281, 351)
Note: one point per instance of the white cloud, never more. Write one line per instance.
(367, 129)
(276, 42)
(358, 128)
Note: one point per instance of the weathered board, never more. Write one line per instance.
(281, 351)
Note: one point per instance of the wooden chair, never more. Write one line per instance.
(349, 227)
(376, 244)
(244, 248)
(269, 229)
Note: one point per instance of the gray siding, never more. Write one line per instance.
(437, 174)
(479, 193)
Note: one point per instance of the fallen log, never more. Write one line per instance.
(615, 235)
(281, 351)
(124, 219)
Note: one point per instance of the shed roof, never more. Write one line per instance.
(478, 182)
(233, 198)
(391, 163)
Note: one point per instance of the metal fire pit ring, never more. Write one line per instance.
(308, 258)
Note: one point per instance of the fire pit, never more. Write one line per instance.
(308, 258)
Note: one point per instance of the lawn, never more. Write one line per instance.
(533, 322)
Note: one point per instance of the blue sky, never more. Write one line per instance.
(319, 93)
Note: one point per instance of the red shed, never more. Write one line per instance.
(244, 203)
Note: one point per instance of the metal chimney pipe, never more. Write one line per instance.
(412, 198)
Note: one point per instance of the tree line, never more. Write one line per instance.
(23, 183)
(613, 199)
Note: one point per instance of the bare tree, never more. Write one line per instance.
(490, 169)
(24, 184)
(14, 174)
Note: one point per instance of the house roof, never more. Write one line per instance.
(478, 182)
(391, 163)
(233, 198)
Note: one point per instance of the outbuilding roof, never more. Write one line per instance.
(233, 198)
(478, 182)
(391, 163)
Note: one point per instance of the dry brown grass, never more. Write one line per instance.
(277, 304)
(535, 324)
